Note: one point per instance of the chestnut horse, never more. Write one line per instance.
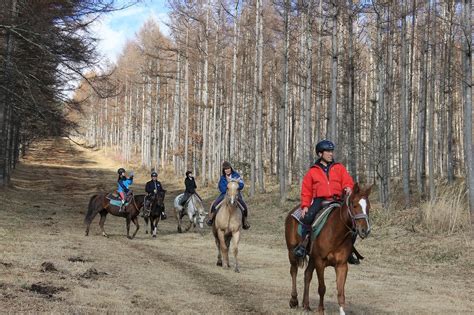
(101, 204)
(227, 226)
(332, 247)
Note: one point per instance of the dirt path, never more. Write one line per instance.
(41, 222)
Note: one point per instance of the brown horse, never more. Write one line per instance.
(332, 247)
(227, 226)
(99, 204)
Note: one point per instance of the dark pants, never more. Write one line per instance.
(312, 211)
(239, 198)
(185, 198)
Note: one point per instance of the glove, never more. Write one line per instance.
(131, 174)
(154, 190)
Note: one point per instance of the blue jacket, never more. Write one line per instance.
(223, 182)
(126, 183)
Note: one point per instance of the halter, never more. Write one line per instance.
(357, 216)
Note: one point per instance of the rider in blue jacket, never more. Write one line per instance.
(228, 173)
(123, 184)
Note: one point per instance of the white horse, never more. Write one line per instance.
(193, 208)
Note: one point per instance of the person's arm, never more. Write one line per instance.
(307, 190)
(222, 185)
(347, 181)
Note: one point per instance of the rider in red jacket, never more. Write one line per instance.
(325, 180)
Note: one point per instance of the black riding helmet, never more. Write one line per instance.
(154, 174)
(188, 172)
(325, 145)
(120, 171)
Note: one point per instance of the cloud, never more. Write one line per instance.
(114, 29)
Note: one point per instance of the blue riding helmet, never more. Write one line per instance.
(325, 145)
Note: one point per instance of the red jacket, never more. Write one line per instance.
(317, 185)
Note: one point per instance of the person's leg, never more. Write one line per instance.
(185, 198)
(300, 250)
(214, 210)
(122, 197)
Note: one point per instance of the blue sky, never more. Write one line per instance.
(115, 28)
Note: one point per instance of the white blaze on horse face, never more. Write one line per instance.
(363, 204)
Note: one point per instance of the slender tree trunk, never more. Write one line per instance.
(332, 124)
(282, 152)
(403, 109)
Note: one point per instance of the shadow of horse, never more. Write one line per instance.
(332, 247)
(100, 204)
(157, 207)
(227, 226)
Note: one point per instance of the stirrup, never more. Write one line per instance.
(300, 251)
(209, 222)
(353, 260)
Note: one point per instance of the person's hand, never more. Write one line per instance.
(154, 190)
(131, 174)
(304, 211)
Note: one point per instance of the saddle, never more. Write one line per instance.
(115, 199)
(319, 220)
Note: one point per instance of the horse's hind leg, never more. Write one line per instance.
(235, 249)
(103, 216)
(341, 275)
(294, 273)
(178, 218)
(128, 228)
(155, 225)
(135, 221)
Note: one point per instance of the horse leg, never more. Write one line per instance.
(293, 273)
(321, 286)
(128, 227)
(103, 216)
(135, 221)
(224, 248)
(341, 275)
(219, 255)
(308, 276)
(146, 225)
(235, 248)
(155, 225)
(178, 217)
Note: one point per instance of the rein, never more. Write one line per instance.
(354, 217)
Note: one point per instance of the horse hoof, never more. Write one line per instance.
(237, 270)
(219, 263)
(105, 235)
(179, 230)
(154, 236)
(293, 302)
(146, 232)
(129, 237)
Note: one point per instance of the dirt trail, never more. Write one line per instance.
(41, 222)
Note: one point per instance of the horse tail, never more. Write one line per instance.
(90, 210)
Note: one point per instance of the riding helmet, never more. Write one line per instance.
(154, 174)
(120, 171)
(226, 165)
(188, 172)
(325, 145)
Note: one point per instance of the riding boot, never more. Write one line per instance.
(353, 258)
(211, 218)
(300, 250)
(121, 206)
(163, 215)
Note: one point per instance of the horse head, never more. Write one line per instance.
(232, 191)
(358, 208)
(199, 212)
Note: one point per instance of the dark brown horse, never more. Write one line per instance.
(157, 208)
(332, 247)
(99, 204)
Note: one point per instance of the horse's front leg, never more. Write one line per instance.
(224, 248)
(341, 275)
(235, 248)
(321, 286)
(219, 255)
(190, 222)
(154, 227)
(135, 221)
(146, 225)
(308, 276)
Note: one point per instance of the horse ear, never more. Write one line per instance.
(356, 188)
(369, 189)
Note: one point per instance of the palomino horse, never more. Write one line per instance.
(227, 226)
(157, 207)
(193, 208)
(101, 204)
(331, 248)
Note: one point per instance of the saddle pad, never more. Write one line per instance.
(118, 203)
(319, 221)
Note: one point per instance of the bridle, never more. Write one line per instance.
(355, 217)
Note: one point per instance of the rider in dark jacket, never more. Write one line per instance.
(152, 187)
(190, 184)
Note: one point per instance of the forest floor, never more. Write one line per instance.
(48, 265)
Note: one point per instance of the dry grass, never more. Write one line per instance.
(405, 271)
